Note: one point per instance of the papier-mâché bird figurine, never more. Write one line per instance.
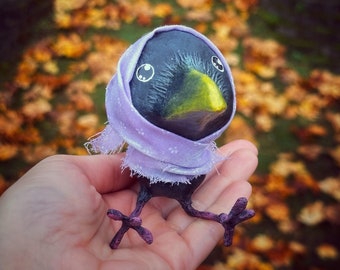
(171, 97)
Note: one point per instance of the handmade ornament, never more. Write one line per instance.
(171, 97)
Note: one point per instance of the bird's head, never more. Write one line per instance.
(182, 86)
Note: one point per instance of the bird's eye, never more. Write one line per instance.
(217, 63)
(145, 72)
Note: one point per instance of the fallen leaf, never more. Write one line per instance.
(334, 119)
(239, 129)
(311, 152)
(297, 247)
(162, 10)
(333, 213)
(327, 252)
(36, 109)
(331, 186)
(327, 83)
(335, 153)
(278, 211)
(262, 243)
(33, 154)
(193, 4)
(7, 151)
(312, 214)
(70, 46)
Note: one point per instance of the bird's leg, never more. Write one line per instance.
(133, 221)
(237, 214)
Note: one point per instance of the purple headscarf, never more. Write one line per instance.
(153, 152)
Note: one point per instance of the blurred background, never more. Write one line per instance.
(56, 58)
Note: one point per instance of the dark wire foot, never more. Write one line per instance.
(237, 214)
(133, 221)
(128, 222)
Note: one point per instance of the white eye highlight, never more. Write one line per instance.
(145, 72)
(217, 63)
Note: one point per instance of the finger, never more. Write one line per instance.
(238, 167)
(102, 171)
(231, 147)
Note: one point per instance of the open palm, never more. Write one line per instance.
(54, 217)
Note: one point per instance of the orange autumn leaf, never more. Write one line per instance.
(35, 153)
(10, 123)
(333, 213)
(263, 57)
(335, 153)
(310, 152)
(311, 106)
(26, 68)
(327, 252)
(262, 243)
(28, 135)
(162, 10)
(277, 184)
(240, 259)
(70, 46)
(278, 211)
(245, 5)
(327, 83)
(67, 5)
(240, 129)
(287, 226)
(193, 4)
(297, 247)
(7, 151)
(334, 119)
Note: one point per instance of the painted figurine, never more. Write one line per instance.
(171, 97)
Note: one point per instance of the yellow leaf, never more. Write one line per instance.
(193, 4)
(331, 186)
(51, 67)
(66, 5)
(70, 46)
(327, 252)
(262, 243)
(312, 214)
(88, 125)
(162, 10)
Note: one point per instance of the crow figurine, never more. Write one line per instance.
(171, 97)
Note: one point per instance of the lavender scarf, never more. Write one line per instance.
(152, 152)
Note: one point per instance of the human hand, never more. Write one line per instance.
(54, 217)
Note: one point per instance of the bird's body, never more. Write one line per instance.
(182, 88)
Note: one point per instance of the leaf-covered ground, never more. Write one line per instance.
(55, 101)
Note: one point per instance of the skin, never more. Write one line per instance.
(54, 217)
